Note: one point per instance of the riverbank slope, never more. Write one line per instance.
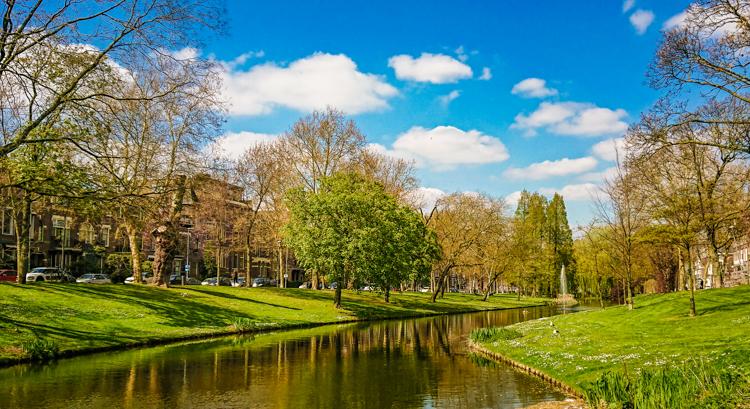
(656, 333)
(81, 317)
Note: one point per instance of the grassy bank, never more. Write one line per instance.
(657, 334)
(80, 317)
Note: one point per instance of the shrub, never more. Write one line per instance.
(242, 324)
(693, 385)
(481, 335)
(41, 350)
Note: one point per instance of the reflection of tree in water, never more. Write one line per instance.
(399, 364)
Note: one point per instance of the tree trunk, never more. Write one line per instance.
(691, 282)
(166, 237)
(135, 254)
(387, 294)
(487, 291)
(218, 265)
(248, 259)
(337, 296)
(630, 293)
(315, 280)
(518, 291)
(22, 240)
(599, 286)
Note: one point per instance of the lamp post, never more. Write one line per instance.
(281, 273)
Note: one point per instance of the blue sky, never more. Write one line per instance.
(491, 96)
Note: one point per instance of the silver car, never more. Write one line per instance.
(94, 279)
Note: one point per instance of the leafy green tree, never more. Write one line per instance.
(351, 230)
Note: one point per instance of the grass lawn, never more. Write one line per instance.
(657, 332)
(80, 317)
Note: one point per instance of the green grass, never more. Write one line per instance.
(80, 317)
(658, 333)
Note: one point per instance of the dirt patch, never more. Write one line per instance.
(568, 404)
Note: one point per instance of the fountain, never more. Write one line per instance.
(563, 298)
(563, 286)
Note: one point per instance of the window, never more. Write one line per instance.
(40, 233)
(86, 234)
(7, 222)
(105, 236)
(61, 229)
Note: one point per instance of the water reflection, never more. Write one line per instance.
(420, 363)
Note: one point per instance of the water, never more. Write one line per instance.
(417, 363)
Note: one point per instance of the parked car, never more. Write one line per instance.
(332, 286)
(212, 281)
(148, 278)
(94, 279)
(41, 274)
(175, 279)
(425, 290)
(193, 281)
(240, 282)
(8, 275)
(262, 282)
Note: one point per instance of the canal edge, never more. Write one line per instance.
(497, 357)
(72, 353)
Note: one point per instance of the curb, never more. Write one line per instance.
(526, 369)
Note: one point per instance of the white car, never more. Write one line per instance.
(94, 279)
(42, 274)
(148, 278)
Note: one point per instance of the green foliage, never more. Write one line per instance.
(85, 265)
(41, 350)
(352, 230)
(243, 324)
(695, 384)
(492, 334)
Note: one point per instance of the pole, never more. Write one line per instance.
(31, 231)
(281, 273)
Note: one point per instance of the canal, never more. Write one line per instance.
(415, 363)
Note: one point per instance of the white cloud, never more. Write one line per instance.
(572, 193)
(599, 177)
(486, 74)
(547, 169)
(425, 198)
(641, 19)
(674, 21)
(533, 88)
(433, 68)
(446, 99)
(572, 118)
(678, 20)
(187, 53)
(306, 84)
(513, 198)
(445, 147)
(242, 59)
(233, 144)
(609, 149)
(461, 54)
(627, 5)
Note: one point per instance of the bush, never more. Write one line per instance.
(41, 350)
(693, 385)
(242, 324)
(481, 335)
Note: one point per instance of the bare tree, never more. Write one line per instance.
(624, 214)
(54, 57)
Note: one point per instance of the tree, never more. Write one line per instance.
(259, 172)
(624, 213)
(54, 57)
(318, 146)
(351, 230)
(674, 205)
(460, 220)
